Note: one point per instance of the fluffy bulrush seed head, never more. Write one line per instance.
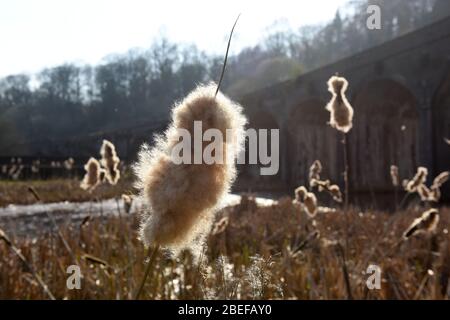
(314, 173)
(323, 185)
(68, 164)
(300, 194)
(341, 112)
(110, 161)
(306, 199)
(440, 179)
(417, 180)
(335, 192)
(437, 183)
(35, 166)
(310, 203)
(92, 177)
(182, 198)
(395, 176)
(427, 223)
(425, 193)
(433, 194)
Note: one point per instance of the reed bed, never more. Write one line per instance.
(253, 253)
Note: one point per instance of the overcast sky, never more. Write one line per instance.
(41, 33)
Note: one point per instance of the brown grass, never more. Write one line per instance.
(266, 253)
(16, 192)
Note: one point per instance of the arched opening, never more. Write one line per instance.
(309, 139)
(385, 133)
(250, 176)
(441, 121)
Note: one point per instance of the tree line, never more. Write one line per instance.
(74, 100)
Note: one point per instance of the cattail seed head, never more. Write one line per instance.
(92, 177)
(417, 180)
(68, 164)
(323, 185)
(110, 161)
(300, 194)
(335, 193)
(435, 194)
(395, 176)
(341, 112)
(310, 204)
(424, 192)
(441, 179)
(314, 172)
(426, 223)
(182, 198)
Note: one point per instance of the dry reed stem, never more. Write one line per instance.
(226, 56)
(152, 254)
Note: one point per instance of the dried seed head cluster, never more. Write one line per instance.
(35, 165)
(417, 184)
(314, 172)
(182, 198)
(425, 193)
(323, 185)
(341, 112)
(310, 203)
(335, 192)
(95, 174)
(92, 177)
(300, 194)
(426, 223)
(440, 179)
(307, 199)
(395, 176)
(417, 180)
(110, 161)
(68, 164)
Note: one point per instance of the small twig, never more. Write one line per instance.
(421, 286)
(226, 56)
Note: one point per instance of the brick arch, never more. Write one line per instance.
(309, 138)
(385, 132)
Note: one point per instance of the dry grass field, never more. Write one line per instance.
(274, 252)
(56, 190)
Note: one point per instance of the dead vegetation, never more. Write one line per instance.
(255, 253)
